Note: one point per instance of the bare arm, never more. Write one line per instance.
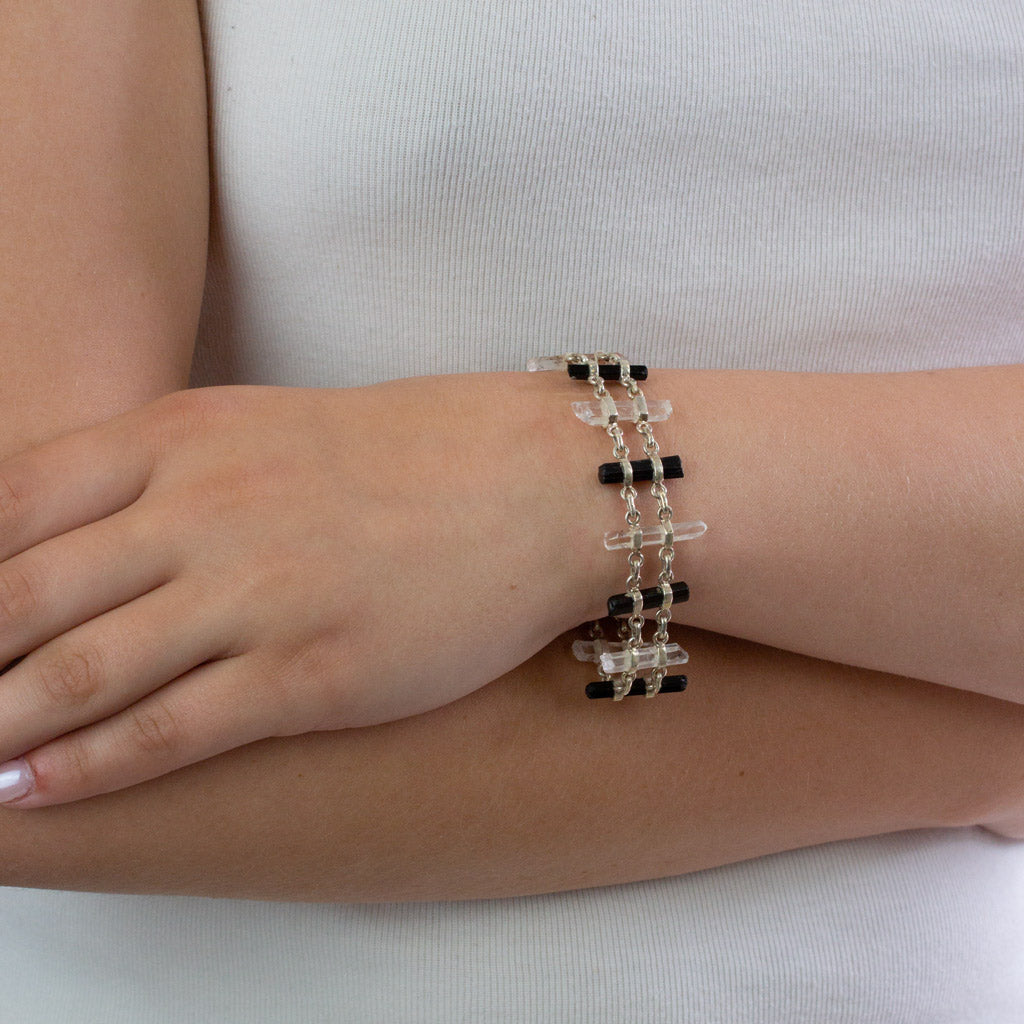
(102, 245)
(870, 519)
(523, 787)
(103, 195)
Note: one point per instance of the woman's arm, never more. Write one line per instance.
(102, 266)
(103, 198)
(522, 787)
(264, 584)
(871, 519)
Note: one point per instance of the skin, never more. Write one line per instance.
(104, 192)
(869, 519)
(201, 573)
(99, 313)
(497, 794)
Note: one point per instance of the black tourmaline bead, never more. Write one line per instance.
(643, 469)
(622, 604)
(604, 688)
(606, 371)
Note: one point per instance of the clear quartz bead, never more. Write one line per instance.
(653, 535)
(546, 363)
(593, 415)
(589, 650)
(614, 662)
(616, 654)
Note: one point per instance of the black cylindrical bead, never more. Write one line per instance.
(622, 604)
(606, 371)
(605, 687)
(643, 469)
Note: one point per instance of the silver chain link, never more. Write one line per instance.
(667, 550)
(631, 629)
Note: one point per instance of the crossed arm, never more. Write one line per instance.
(497, 793)
(522, 787)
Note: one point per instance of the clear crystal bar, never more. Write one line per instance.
(593, 415)
(614, 662)
(589, 650)
(547, 363)
(654, 535)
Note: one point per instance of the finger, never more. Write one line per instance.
(202, 714)
(72, 480)
(67, 580)
(103, 666)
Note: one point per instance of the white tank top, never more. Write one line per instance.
(410, 187)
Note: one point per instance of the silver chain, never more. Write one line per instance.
(620, 663)
(631, 629)
(667, 550)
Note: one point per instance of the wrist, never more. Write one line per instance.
(557, 459)
(597, 511)
(578, 510)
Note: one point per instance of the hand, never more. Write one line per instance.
(228, 564)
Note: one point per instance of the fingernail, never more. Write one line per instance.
(16, 779)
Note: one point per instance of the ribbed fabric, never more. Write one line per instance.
(913, 928)
(438, 187)
(423, 187)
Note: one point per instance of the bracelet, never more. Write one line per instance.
(619, 664)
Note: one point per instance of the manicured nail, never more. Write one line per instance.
(16, 779)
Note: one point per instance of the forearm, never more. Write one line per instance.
(524, 787)
(103, 187)
(870, 519)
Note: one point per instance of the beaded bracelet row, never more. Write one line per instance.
(619, 664)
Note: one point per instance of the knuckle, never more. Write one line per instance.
(17, 597)
(183, 415)
(73, 767)
(70, 679)
(171, 420)
(155, 729)
(265, 673)
(300, 686)
(11, 501)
